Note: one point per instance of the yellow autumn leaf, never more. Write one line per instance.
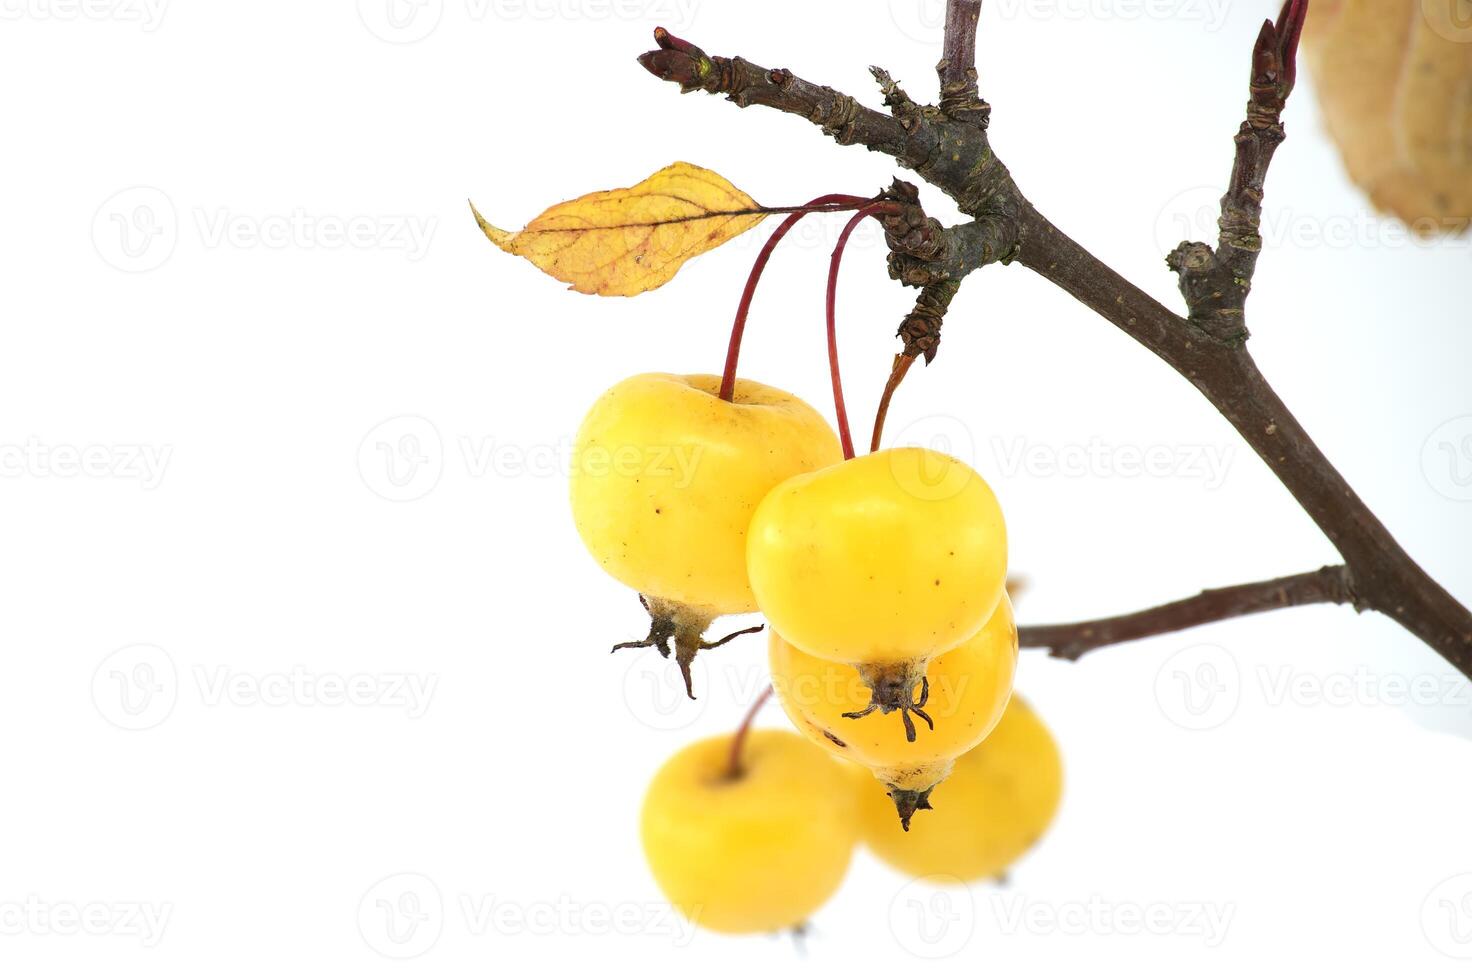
(628, 241)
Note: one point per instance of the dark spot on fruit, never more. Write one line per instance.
(937, 581)
(834, 739)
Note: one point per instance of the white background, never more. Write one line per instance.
(268, 549)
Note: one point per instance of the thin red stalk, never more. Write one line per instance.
(839, 408)
(896, 376)
(738, 329)
(738, 741)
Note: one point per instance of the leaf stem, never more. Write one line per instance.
(817, 205)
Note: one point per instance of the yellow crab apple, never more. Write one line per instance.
(882, 561)
(997, 802)
(665, 478)
(960, 696)
(757, 847)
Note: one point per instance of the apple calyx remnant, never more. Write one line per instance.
(892, 688)
(679, 629)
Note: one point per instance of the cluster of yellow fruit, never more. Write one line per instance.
(883, 579)
(762, 849)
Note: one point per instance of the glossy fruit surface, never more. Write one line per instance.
(757, 853)
(894, 556)
(998, 800)
(666, 477)
(968, 691)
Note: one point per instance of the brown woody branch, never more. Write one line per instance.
(1215, 282)
(947, 146)
(1070, 641)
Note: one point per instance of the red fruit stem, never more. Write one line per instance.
(738, 329)
(839, 409)
(896, 376)
(734, 769)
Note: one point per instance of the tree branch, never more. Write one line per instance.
(1215, 282)
(947, 146)
(1070, 641)
(959, 95)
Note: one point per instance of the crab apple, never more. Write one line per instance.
(997, 802)
(665, 478)
(886, 558)
(755, 850)
(960, 696)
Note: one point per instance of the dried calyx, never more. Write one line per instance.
(679, 629)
